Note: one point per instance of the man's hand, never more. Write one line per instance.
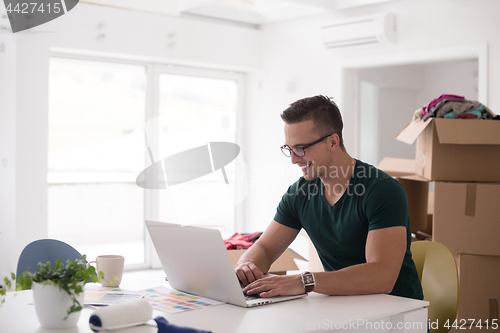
(278, 285)
(259, 257)
(247, 272)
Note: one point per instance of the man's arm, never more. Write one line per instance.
(385, 250)
(259, 257)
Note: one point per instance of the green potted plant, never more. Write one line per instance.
(58, 293)
(6, 287)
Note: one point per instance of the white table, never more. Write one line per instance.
(314, 313)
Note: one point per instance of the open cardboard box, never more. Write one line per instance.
(455, 149)
(283, 264)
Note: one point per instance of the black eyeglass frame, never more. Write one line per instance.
(291, 150)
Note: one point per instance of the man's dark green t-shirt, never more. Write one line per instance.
(373, 200)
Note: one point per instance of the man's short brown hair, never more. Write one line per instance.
(321, 110)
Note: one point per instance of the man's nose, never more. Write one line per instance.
(295, 159)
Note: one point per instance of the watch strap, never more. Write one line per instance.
(309, 288)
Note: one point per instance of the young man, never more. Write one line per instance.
(355, 215)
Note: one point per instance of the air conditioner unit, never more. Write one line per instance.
(365, 30)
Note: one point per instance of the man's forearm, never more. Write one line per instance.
(257, 255)
(369, 278)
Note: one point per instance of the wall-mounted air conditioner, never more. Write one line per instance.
(364, 30)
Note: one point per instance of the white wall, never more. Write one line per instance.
(401, 76)
(24, 93)
(7, 151)
(296, 65)
(398, 86)
(396, 107)
(456, 77)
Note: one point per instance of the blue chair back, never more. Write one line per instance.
(44, 250)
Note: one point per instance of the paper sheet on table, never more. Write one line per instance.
(102, 296)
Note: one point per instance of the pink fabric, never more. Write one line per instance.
(238, 241)
(435, 101)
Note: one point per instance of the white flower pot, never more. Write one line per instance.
(52, 304)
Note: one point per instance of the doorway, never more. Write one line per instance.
(382, 93)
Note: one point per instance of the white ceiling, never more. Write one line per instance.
(244, 11)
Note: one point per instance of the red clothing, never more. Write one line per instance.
(239, 241)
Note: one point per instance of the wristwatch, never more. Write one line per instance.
(308, 281)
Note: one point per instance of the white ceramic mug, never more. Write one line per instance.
(112, 267)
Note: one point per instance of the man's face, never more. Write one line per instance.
(314, 163)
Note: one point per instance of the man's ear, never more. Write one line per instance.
(334, 141)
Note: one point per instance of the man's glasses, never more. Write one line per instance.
(300, 151)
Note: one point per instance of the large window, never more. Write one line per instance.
(194, 111)
(95, 155)
(100, 113)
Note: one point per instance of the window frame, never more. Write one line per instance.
(158, 70)
(153, 69)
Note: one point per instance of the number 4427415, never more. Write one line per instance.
(462, 324)
(34, 7)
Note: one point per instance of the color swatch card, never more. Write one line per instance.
(172, 301)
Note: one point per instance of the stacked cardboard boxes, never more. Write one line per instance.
(462, 158)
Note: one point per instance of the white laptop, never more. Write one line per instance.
(195, 261)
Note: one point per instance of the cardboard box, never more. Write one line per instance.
(283, 264)
(479, 293)
(416, 187)
(397, 167)
(315, 264)
(417, 193)
(466, 217)
(455, 149)
(430, 214)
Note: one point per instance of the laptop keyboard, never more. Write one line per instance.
(251, 297)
